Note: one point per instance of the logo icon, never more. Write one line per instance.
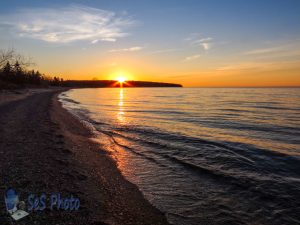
(12, 202)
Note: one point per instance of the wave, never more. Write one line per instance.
(228, 154)
(186, 163)
(69, 100)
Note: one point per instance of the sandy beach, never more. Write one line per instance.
(44, 149)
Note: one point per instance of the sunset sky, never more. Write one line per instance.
(192, 42)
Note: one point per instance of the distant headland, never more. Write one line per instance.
(115, 83)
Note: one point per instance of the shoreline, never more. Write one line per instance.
(68, 161)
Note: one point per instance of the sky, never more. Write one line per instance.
(196, 43)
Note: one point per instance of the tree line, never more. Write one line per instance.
(14, 72)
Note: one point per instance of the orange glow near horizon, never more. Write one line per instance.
(190, 74)
(204, 78)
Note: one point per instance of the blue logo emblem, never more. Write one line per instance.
(11, 200)
(12, 203)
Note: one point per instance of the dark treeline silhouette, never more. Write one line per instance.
(14, 72)
(114, 83)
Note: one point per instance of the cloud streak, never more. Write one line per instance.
(195, 40)
(165, 51)
(191, 58)
(68, 24)
(288, 51)
(263, 51)
(206, 43)
(260, 66)
(132, 49)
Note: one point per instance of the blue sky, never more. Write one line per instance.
(178, 38)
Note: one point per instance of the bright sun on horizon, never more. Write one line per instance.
(121, 79)
(122, 76)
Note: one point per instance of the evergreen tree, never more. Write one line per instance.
(19, 76)
(14, 69)
(6, 72)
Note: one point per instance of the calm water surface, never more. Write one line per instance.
(203, 155)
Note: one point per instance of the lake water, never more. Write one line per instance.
(203, 155)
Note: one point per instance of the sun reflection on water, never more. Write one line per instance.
(121, 112)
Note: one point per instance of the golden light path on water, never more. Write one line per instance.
(123, 158)
(121, 112)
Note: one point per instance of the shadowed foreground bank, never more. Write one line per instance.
(45, 150)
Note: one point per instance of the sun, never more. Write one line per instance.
(121, 79)
(121, 76)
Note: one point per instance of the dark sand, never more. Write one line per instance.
(44, 149)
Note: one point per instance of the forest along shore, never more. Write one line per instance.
(44, 149)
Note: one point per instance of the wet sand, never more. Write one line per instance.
(44, 149)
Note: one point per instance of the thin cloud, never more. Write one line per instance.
(192, 36)
(261, 66)
(165, 51)
(241, 66)
(94, 41)
(289, 49)
(263, 51)
(132, 49)
(196, 40)
(206, 46)
(191, 58)
(202, 40)
(206, 43)
(286, 50)
(68, 24)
